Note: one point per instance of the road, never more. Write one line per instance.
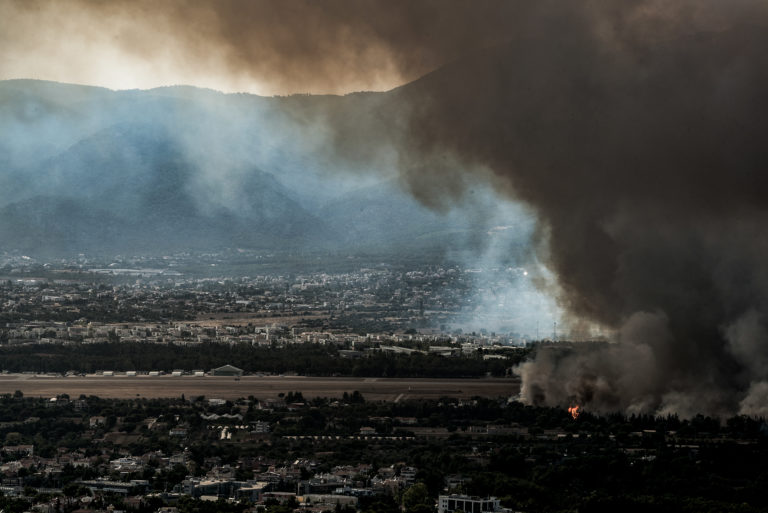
(384, 389)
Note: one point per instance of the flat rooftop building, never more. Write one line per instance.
(467, 504)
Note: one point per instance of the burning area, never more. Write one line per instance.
(635, 134)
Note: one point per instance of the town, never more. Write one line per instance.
(187, 401)
(291, 453)
(84, 301)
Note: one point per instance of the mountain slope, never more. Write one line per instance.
(136, 175)
(186, 168)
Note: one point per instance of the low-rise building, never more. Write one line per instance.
(260, 427)
(18, 450)
(467, 504)
(327, 500)
(227, 370)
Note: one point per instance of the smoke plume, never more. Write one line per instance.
(634, 130)
(636, 135)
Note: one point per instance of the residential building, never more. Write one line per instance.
(467, 504)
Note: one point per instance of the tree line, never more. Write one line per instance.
(303, 359)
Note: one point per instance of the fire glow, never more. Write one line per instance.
(575, 411)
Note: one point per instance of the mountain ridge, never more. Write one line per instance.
(197, 167)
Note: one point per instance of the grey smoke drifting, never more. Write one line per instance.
(634, 130)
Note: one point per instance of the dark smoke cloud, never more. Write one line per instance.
(635, 130)
(286, 46)
(637, 134)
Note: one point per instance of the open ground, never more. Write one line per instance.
(377, 389)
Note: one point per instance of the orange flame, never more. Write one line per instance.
(574, 411)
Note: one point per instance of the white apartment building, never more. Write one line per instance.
(467, 504)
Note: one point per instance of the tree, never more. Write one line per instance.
(421, 508)
(13, 438)
(74, 490)
(416, 495)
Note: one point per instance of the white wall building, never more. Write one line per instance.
(467, 504)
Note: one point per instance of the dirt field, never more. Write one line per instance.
(385, 389)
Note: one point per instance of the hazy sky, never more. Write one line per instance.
(257, 46)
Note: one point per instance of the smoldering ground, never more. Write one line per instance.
(633, 130)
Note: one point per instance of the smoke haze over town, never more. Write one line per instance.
(612, 152)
